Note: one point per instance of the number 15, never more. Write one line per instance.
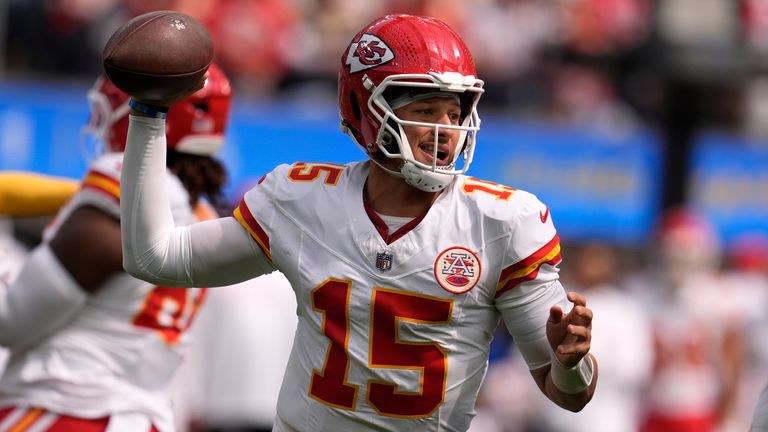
(386, 350)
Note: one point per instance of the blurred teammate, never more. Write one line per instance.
(627, 362)
(401, 265)
(231, 376)
(748, 278)
(93, 348)
(27, 202)
(697, 330)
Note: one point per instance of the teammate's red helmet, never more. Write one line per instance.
(399, 54)
(688, 244)
(195, 125)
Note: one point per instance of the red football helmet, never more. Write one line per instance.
(399, 54)
(195, 125)
(688, 244)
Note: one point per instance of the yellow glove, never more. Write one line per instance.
(25, 194)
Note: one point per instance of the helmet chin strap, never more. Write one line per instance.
(427, 181)
(416, 177)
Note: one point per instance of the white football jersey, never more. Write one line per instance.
(120, 352)
(394, 328)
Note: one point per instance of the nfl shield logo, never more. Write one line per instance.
(383, 261)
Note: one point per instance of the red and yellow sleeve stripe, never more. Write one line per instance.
(528, 268)
(246, 219)
(102, 183)
(26, 420)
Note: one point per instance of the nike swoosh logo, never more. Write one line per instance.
(544, 215)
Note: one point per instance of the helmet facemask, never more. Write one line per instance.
(391, 139)
(96, 136)
(413, 54)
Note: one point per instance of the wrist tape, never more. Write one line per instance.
(572, 380)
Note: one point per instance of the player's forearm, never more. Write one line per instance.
(153, 248)
(212, 253)
(571, 401)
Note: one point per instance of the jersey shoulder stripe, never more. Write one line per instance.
(103, 176)
(246, 219)
(528, 268)
(98, 181)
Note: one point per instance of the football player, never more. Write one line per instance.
(27, 203)
(93, 348)
(402, 265)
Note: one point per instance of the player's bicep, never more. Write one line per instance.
(223, 253)
(88, 246)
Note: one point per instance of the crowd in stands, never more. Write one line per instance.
(613, 65)
(601, 61)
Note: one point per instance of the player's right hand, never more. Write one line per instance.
(172, 99)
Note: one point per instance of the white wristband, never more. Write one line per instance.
(572, 380)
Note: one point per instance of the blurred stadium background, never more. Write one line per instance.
(611, 111)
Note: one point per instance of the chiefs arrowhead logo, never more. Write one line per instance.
(367, 52)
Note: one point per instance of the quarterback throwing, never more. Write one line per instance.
(402, 265)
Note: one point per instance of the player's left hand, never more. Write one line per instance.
(570, 334)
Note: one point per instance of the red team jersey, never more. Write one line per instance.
(118, 355)
(394, 328)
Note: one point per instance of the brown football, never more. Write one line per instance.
(157, 55)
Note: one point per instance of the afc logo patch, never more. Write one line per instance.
(368, 52)
(457, 270)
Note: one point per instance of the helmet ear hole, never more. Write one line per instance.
(355, 106)
(388, 141)
(466, 101)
